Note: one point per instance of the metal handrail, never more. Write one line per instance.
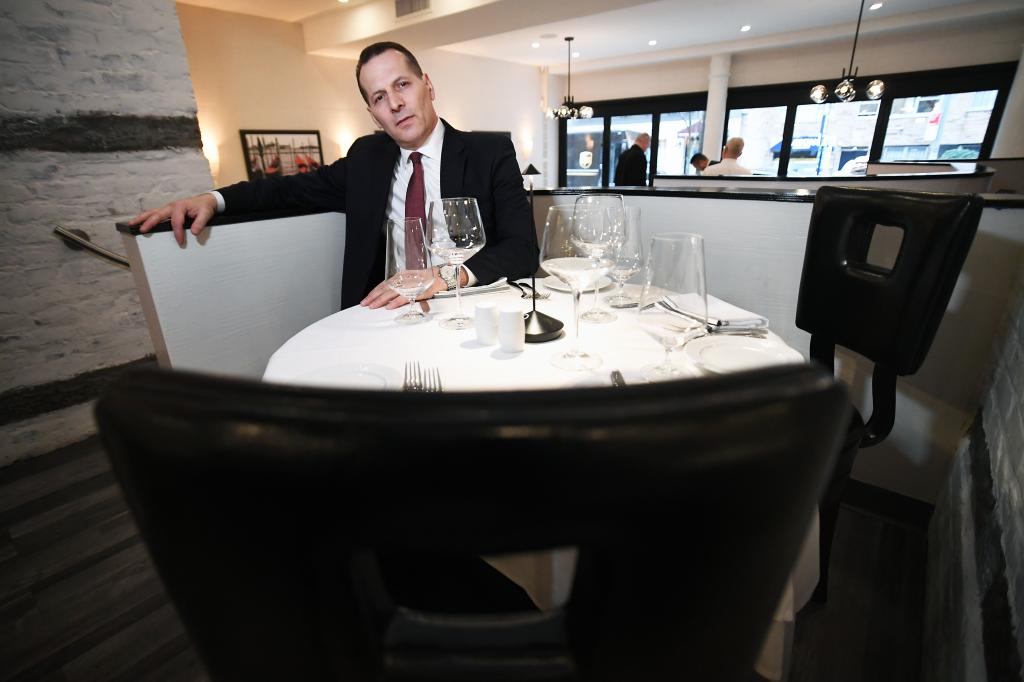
(83, 242)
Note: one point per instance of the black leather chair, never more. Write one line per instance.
(264, 508)
(888, 316)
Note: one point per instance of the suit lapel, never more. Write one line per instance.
(453, 162)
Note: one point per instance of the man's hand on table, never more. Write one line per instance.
(200, 208)
(383, 295)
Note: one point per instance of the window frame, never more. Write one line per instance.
(655, 106)
(998, 76)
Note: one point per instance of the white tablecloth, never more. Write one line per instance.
(359, 336)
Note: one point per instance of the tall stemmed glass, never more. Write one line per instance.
(628, 258)
(674, 273)
(614, 204)
(457, 232)
(575, 250)
(408, 265)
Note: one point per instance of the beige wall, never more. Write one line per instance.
(964, 45)
(250, 72)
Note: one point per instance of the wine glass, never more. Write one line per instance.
(674, 272)
(457, 232)
(575, 250)
(613, 203)
(408, 265)
(627, 257)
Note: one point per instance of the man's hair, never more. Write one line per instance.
(377, 49)
(641, 137)
(734, 145)
(697, 157)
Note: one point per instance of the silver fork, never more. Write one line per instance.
(432, 381)
(420, 380)
(412, 382)
(536, 294)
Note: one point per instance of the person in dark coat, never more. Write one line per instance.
(632, 166)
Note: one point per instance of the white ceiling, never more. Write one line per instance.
(620, 35)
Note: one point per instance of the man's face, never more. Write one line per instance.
(399, 101)
(700, 164)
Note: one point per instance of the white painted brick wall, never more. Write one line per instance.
(120, 56)
(1004, 427)
(65, 312)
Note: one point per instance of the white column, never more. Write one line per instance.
(714, 112)
(1010, 137)
(549, 170)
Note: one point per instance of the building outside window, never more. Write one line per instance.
(584, 148)
(761, 129)
(938, 127)
(680, 136)
(831, 139)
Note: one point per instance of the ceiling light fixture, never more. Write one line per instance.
(846, 90)
(877, 5)
(534, 44)
(652, 43)
(745, 27)
(569, 108)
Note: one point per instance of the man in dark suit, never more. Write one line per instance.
(632, 166)
(370, 184)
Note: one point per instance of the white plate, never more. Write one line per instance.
(352, 375)
(720, 353)
(552, 282)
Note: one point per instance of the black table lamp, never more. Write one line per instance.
(539, 327)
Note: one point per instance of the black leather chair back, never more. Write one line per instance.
(888, 316)
(264, 507)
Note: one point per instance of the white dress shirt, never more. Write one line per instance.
(727, 167)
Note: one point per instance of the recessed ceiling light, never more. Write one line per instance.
(877, 5)
(575, 55)
(745, 28)
(534, 44)
(344, 2)
(652, 43)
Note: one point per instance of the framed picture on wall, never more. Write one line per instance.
(281, 152)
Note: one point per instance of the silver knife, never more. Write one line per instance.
(617, 378)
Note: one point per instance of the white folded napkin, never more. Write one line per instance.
(720, 313)
(498, 285)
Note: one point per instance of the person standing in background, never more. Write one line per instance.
(631, 168)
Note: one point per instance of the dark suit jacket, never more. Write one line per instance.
(480, 165)
(632, 167)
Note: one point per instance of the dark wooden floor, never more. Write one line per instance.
(79, 599)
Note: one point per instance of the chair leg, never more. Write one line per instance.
(828, 509)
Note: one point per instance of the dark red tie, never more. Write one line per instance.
(415, 207)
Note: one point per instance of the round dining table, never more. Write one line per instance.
(365, 348)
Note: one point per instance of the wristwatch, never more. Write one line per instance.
(447, 273)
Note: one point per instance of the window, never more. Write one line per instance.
(680, 136)
(938, 126)
(624, 130)
(585, 145)
(761, 129)
(786, 135)
(830, 139)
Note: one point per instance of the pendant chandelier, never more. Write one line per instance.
(569, 108)
(846, 91)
